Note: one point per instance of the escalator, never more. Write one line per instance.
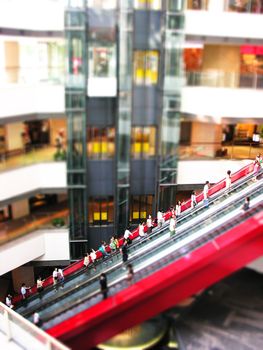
(79, 279)
(152, 259)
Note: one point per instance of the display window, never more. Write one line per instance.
(102, 61)
(251, 59)
(197, 4)
(193, 57)
(251, 6)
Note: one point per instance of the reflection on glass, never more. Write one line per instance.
(101, 143)
(100, 211)
(143, 142)
(146, 67)
(148, 4)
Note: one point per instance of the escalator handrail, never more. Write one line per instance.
(77, 265)
(210, 236)
(182, 235)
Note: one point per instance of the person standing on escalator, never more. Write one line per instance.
(103, 285)
(206, 194)
(228, 181)
(124, 251)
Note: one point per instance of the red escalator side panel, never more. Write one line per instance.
(165, 288)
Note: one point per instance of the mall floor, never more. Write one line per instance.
(37, 155)
(13, 229)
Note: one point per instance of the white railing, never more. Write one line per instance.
(25, 334)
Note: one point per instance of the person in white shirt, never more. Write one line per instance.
(8, 301)
(228, 180)
(149, 224)
(61, 275)
(36, 319)
(93, 257)
(40, 283)
(160, 219)
(172, 225)
(193, 199)
(23, 290)
(127, 235)
(86, 261)
(141, 229)
(206, 194)
(178, 209)
(55, 276)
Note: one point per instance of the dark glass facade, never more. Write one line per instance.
(122, 98)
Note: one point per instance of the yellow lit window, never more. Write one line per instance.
(146, 67)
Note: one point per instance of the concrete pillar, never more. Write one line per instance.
(12, 61)
(20, 208)
(13, 133)
(23, 274)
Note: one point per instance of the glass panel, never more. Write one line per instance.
(101, 143)
(197, 4)
(145, 67)
(100, 211)
(147, 4)
(143, 142)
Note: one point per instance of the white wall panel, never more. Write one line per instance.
(30, 178)
(223, 24)
(200, 171)
(44, 245)
(32, 14)
(222, 102)
(23, 99)
(56, 244)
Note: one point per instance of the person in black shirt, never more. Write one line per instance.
(124, 251)
(245, 206)
(103, 285)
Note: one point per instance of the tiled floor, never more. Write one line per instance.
(230, 317)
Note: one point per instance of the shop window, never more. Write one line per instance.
(102, 61)
(100, 211)
(197, 4)
(42, 202)
(252, 6)
(143, 142)
(146, 67)
(141, 207)
(5, 213)
(147, 4)
(101, 143)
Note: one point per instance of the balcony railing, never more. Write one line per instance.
(30, 154)
(55, 218)
(218, 78)
(232, 150)
(24, 334)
